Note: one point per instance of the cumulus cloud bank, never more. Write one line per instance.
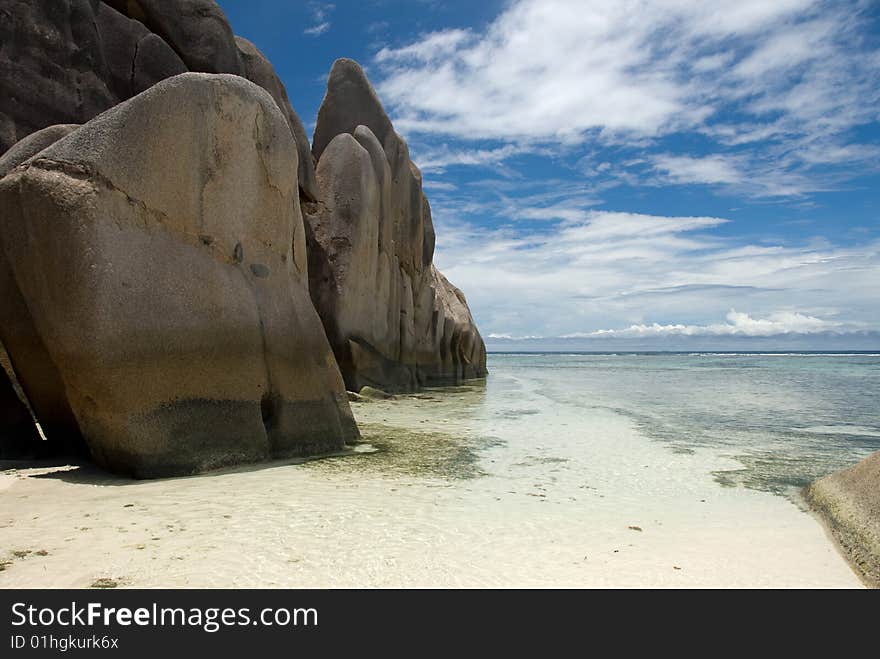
(738, 324)
(601, 269)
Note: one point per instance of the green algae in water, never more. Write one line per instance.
(414, 453)
(773, 471)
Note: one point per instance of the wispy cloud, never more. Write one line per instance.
(438, 159)
(756, 175)
(431, 48)
(430, 184)
(709, 169)
(601, 269)
(320, 12)
(318, 29)
(510, 337)
(776, 87)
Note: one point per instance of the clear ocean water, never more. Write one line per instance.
(558, 470)
(786, 417)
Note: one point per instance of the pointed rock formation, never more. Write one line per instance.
(394, 322)
(160, 254)
(350, 102)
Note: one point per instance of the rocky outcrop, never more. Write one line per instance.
(66, 62)
(850, 502)
(394, 322)
(158, 286)
(196, 29)
(461, 350)
(160, 257)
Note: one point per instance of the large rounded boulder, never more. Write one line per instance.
(160, 252)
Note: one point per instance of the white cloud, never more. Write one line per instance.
(438, 159)
(553, 69)
(616, 270)
(432, 47)
(738, 324)
(516, 199)
(429, 184)
(754, 98)
(709, 169)
(510, 337)
(569, 72)
(566, 211)
(759, 176)
(318, 29)
(320, 12)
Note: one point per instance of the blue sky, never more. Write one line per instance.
(605, 170)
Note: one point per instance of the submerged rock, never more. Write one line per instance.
(160, 252)
(371, 393)
(850, 502)
(393, 320)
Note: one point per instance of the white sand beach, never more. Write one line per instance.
(443, 492)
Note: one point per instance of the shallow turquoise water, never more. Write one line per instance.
(787, 418)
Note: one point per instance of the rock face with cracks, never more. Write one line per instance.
(258, 69)
(158, 258)
(66, 62)
(393, 320)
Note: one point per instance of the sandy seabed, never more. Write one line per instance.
(445, 490)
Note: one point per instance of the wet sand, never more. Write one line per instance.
(447, 489)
